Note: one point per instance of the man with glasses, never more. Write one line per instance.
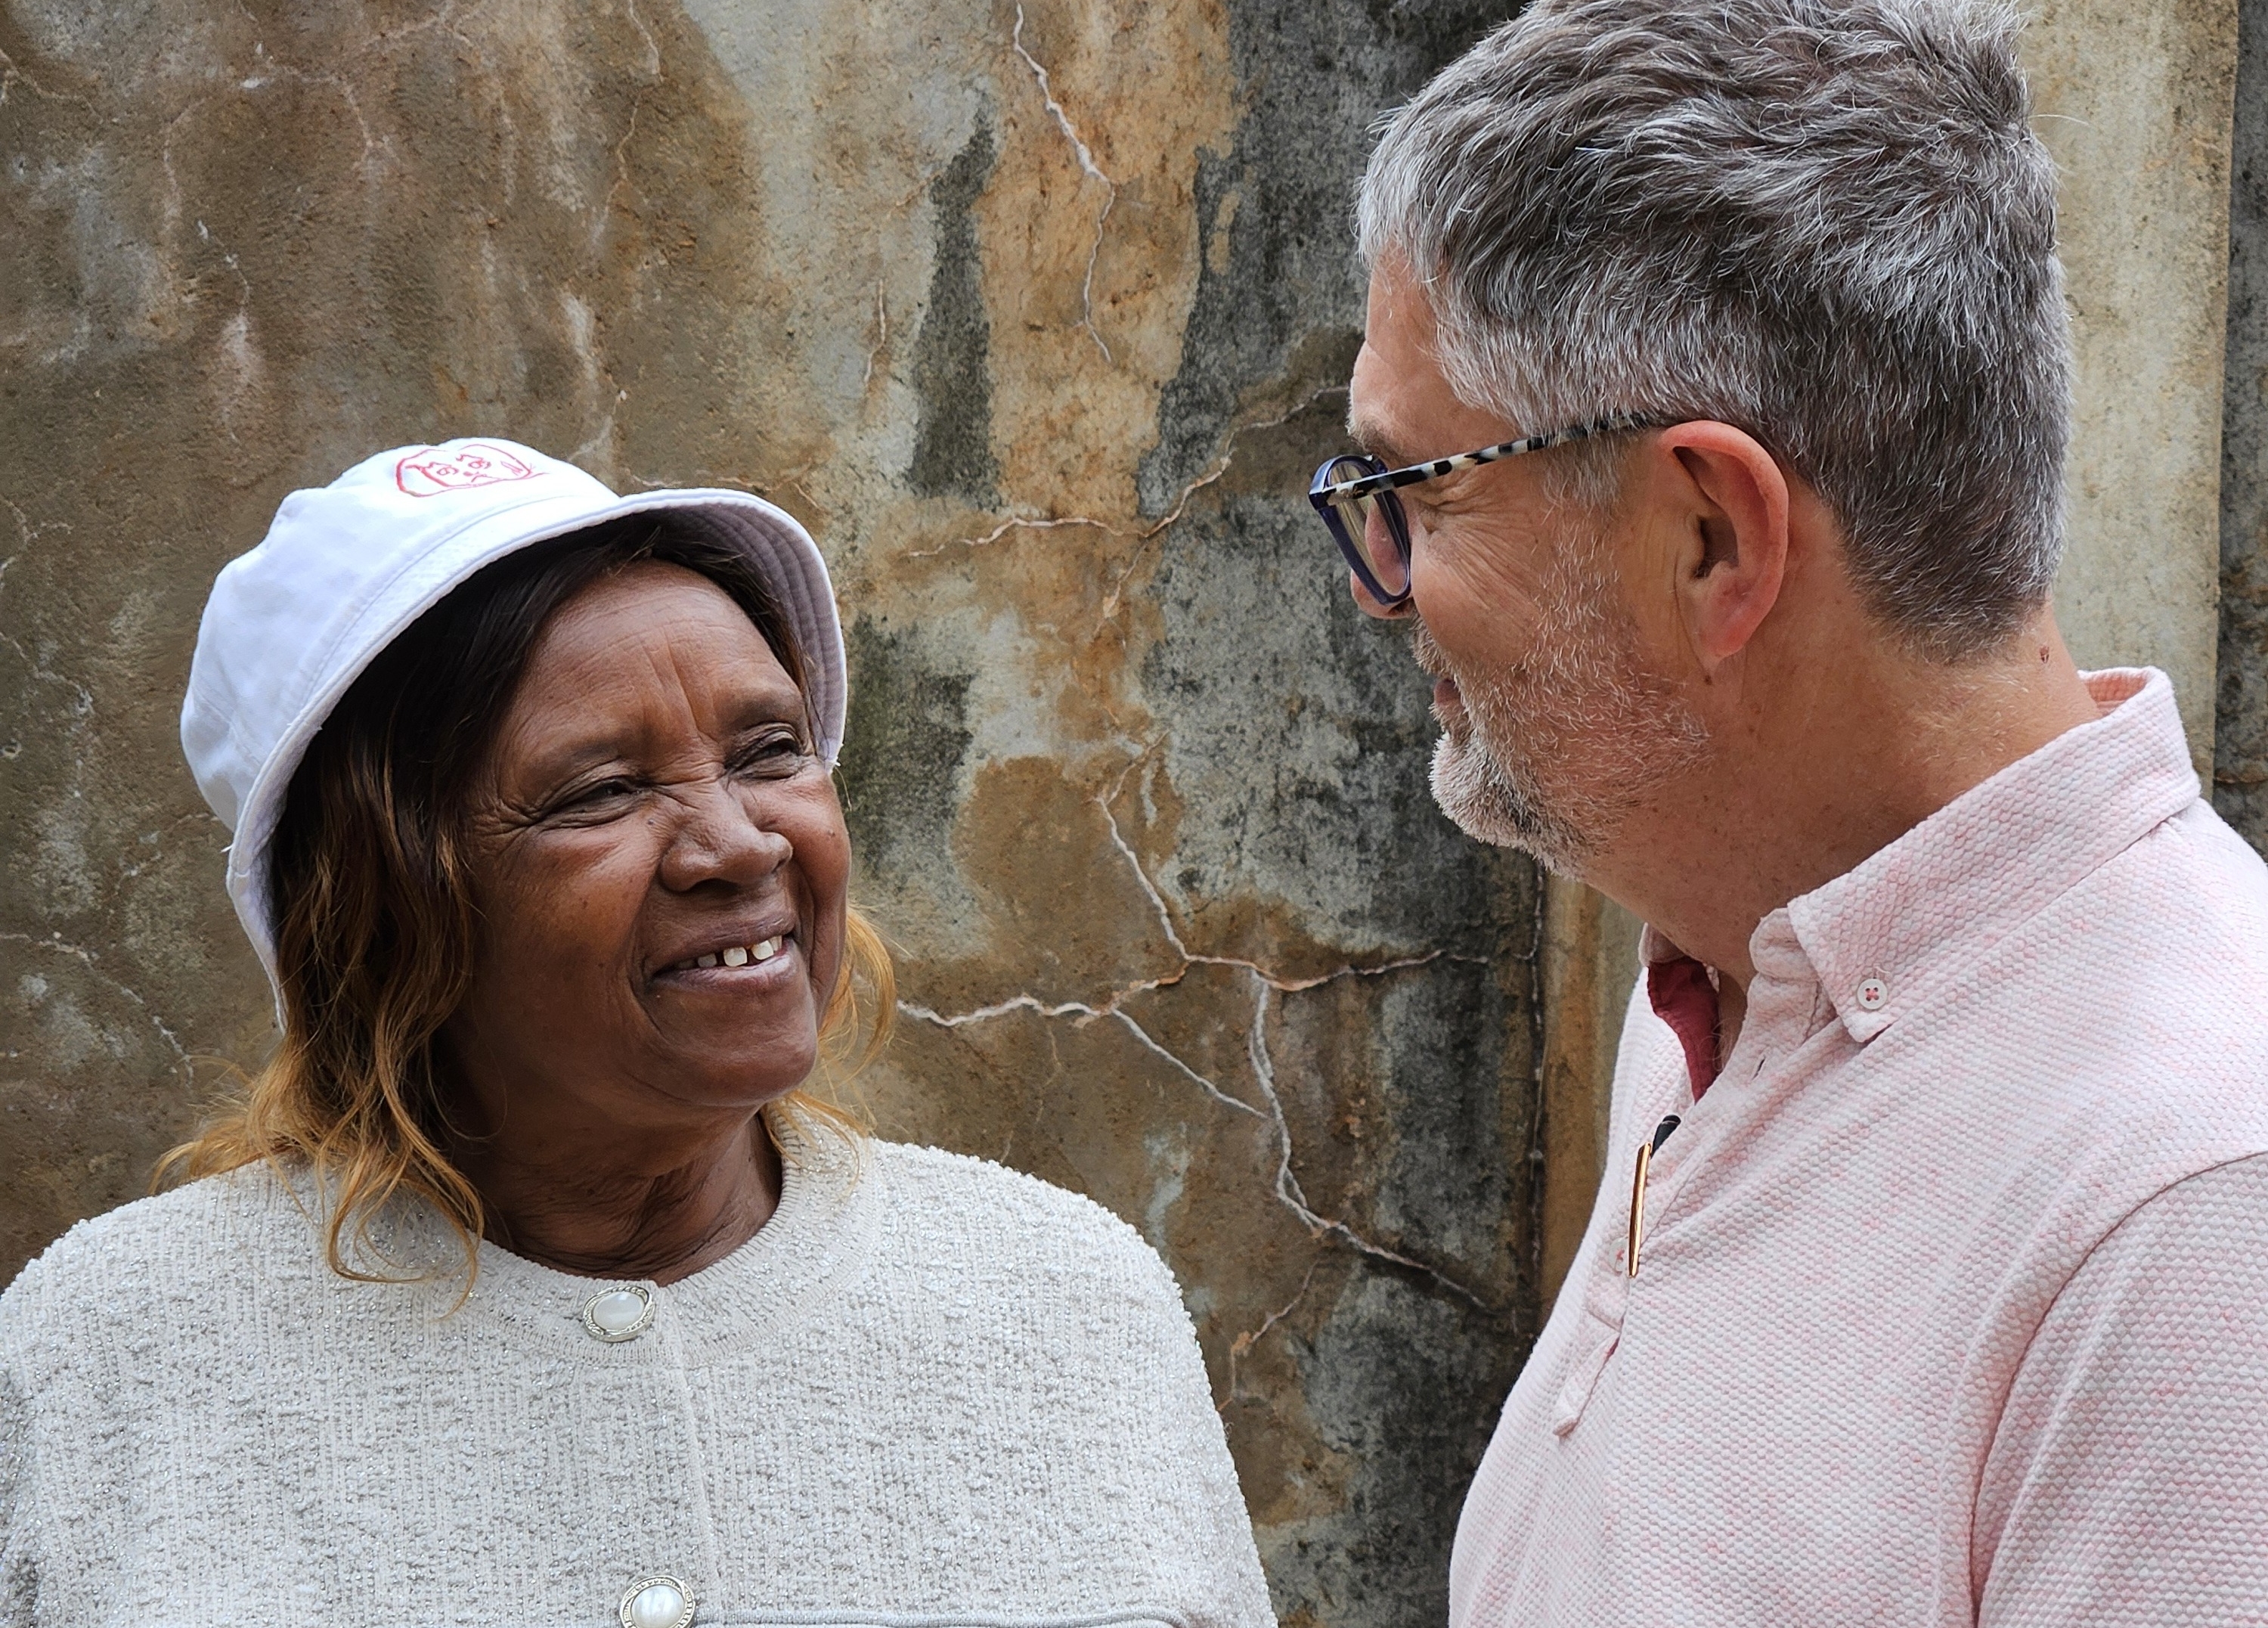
(1714, 399)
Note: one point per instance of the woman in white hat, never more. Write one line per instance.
(524, 1285)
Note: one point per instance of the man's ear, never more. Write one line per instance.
(1734, 554)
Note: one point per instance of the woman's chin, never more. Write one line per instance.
(743, 1065)
(755, 1024)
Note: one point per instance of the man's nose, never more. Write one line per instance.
(722, 837)
(1370, 605)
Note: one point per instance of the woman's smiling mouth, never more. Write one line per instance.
(733, 956)
(749, 966)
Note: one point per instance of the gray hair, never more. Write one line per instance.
(1826, 222)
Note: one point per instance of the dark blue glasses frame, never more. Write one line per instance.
(1340, 498)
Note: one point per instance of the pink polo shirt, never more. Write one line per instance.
(1953, 1307)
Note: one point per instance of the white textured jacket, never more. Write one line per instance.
(931, 1390)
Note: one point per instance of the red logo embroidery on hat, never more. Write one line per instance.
(476, 463)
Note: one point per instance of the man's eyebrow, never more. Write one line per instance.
(1379, 445)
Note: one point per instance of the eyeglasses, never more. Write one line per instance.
(1355, 495)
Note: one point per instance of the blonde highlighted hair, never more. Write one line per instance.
(375, 925)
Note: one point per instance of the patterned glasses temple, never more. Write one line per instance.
(1341, 491)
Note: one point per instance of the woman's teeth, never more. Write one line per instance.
(738, 955)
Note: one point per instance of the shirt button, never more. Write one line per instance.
(1873, 992)
(656, 1602)
(615, 1314)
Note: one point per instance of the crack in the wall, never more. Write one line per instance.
(1220, 467)
(228, 259)
(170, 210)
(652, 46)
(340, 83)
(1227, 453)
(55, 944)
(1244, 1342)
(1288, 1190)
(598, 381)
(890, 217)
(114, 882)
(1266, 986)
(1088, 167)
(1084, 1014)
(1191, 958)
(1014, 523)
(83, 698)
(881, 314)
(12, 75)
(1285, 1189)
(270, 69)
(604, 212)
(598, 445)
(446, 17)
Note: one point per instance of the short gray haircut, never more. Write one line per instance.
(1826, 222)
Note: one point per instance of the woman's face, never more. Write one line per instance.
(660, 866)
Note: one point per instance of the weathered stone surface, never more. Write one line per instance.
(2134, 103)
(2240, 741)
(1040, 316)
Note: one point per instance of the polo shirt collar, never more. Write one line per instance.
(1888, 934)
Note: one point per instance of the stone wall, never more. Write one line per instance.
(2133, 100)
(1039, 316)
(2241, 740)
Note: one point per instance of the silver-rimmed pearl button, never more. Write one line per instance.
(656, 1602)
(623, 1314)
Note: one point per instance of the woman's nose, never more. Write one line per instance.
(721, 836)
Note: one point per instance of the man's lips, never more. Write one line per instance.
(1449, 700)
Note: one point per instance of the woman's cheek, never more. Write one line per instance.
(574, 904)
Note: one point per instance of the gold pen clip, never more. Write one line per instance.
(1645, 1152)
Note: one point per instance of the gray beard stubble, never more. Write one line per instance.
(1554, 754)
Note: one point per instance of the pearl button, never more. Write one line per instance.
(615, 1314)
(1872, 992)
(656, 1602)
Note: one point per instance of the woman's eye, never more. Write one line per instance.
(598, 795)
(771, 754)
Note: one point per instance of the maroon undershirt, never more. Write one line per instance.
(1684, 997)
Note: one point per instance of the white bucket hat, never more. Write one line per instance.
(345, 568)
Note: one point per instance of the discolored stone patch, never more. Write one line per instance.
(1039, 315)
(953, 435)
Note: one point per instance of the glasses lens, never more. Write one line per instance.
(1374, 520)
